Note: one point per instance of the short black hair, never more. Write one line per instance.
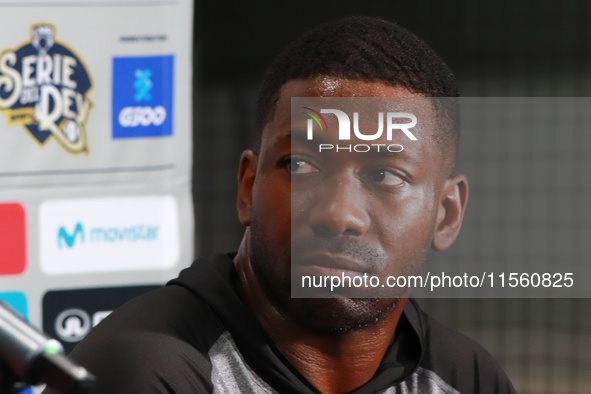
(360, 48)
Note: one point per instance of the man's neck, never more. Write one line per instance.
(332, 362)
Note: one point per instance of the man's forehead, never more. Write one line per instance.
(367, 98)
(327, 86)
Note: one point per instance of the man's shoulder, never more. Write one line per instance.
(459, 360)
(153, 341)
(170, 310)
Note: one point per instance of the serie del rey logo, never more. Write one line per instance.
(44, 87)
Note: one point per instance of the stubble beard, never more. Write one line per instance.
(329, 315)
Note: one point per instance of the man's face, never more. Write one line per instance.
(340, 213)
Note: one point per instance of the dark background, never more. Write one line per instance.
(497, 48)
(236, 40)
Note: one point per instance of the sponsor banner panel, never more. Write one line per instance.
(95, 154)
(69, 315)
(93, 104)
(34, 281)
(110, 234)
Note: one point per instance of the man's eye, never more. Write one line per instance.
(386, 178)
(299, 167)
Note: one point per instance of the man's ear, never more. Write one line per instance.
(452, 204)
(246, 176)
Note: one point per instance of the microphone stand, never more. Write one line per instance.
(28, 357)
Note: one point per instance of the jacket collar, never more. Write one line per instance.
(216, 282)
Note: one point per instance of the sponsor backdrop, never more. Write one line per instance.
(95, 156)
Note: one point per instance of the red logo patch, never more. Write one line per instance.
(13, 239)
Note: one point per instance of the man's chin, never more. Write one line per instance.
(339, 314)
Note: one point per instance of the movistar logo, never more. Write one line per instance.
(140, 232)
(69, 239)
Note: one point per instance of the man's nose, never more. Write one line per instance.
(339, 207)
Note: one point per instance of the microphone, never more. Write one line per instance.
(33, 358)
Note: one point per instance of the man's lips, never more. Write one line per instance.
(332, 263)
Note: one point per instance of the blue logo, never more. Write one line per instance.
(142, 85)
(17, 301)
(63, 237)
(143, 96)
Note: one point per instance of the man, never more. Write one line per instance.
(229, 324)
